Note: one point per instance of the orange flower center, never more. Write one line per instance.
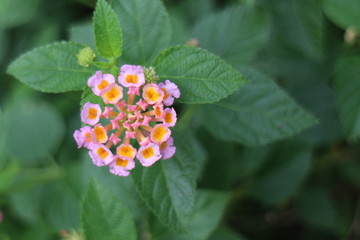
(148, 152)
(132, 79)
(102, 153)
(121, 162)
(168, 117)
(103, 85)
(92, 113)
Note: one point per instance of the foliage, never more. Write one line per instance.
(268, 119)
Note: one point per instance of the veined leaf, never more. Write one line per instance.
(108, 36)
(209, 208)
(257, 114)
(147, 27)
(347, 87)
(104, 216)
(234, 34)
(168, 187)
(201, 76)
(52, 68)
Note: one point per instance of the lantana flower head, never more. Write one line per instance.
(121, 130)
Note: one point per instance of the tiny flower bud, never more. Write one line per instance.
(150, 75)
(86, 57)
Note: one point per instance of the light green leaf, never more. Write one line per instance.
(347, 87)
(257, 114)
(147, 27)
(52, 68)
(108, 36)
(34, 130)
(235, 34)
(344, 13)
(168, 186)
(104, 216)
(201, 76)
(209, 208)
(280, 183)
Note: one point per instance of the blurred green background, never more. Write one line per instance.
(304, 187)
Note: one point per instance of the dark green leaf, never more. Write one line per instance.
(201, 76)
(344, 13)
(257, 114)
(52, 68)
(234, 34)
(83, 33)
(168, 186)
(108, 36)
(35, 130)
(104, 216)
(209, 208)
(347, 87)
(147, 27)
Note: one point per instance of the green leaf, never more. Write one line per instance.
(257, 114)
(225, 233)
(347, 87)
(280, 183)
(344, 13)
(147, 27)
(235, 34)
(3, 149)
(104, 216)
(52, 68)
(83, 33)
(34, 130)
(201, 76)
(209, 208)
(89, 96)
(108, 36)
(168, 186)
(17, 12)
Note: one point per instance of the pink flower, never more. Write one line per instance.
(148, 154)
(169, 117)
(126, 151)
(90, 113)
(152, 93)
(100, 133)
(99, 82)
(121, 167)
(101, 155)
(171, 91)
(112, 94)
(160, 133)
(131, 76)
(140, 119)
(167, 149)
(84, 137)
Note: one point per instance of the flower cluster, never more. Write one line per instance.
(143, 119)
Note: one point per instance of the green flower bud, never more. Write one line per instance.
(86, 57)
(150, 75)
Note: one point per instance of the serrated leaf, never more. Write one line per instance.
(108, 36)
(52, 68)
(209, 208)
(168, 186)
(147, 27)
(104, 216)
(201, 76)
(344, 13)
(235, 34)
(257, 114)
(347, 87)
